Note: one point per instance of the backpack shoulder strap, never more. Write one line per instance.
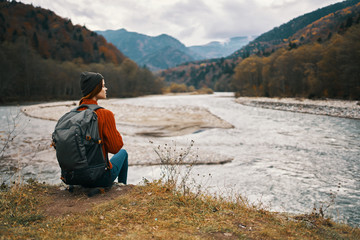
(92, 107)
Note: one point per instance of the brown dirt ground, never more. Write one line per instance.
(61, 202)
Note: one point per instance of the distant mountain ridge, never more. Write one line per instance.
(164, 51)
(145, 49)
(218, 49)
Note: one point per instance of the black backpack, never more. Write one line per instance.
(79, 148)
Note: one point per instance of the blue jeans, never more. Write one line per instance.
(120, 166)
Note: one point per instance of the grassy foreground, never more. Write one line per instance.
(150, 211)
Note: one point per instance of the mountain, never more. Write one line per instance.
(316, 27)
(163, 51)
(52, 36)
(156, 53)
(136, 45)
(218, 49)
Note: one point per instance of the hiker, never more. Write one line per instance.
(93, 88)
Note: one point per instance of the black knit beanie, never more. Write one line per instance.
(88, 81)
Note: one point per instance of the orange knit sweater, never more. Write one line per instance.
(110, 137)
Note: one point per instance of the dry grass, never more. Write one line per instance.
(153, 211)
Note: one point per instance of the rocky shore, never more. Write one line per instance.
(334, 108)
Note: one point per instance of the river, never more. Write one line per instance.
(287, 161)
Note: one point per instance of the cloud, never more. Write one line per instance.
(193, 22)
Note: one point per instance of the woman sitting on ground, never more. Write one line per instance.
(93, 88)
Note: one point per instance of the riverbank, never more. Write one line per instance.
(329, 107)
(150, 211)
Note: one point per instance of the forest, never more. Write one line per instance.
(26, 76)
(206, 73)
(42, 56)
(317, 70)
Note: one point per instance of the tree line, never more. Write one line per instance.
(215, 74)
(327, 70)
(26, 76)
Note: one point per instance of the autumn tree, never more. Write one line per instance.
(248, 78)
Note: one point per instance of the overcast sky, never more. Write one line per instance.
(193, 22)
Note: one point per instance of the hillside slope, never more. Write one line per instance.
(52, 36)
(279, 36)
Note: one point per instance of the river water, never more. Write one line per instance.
(287, 161)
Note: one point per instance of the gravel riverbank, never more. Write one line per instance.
(334, 108)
